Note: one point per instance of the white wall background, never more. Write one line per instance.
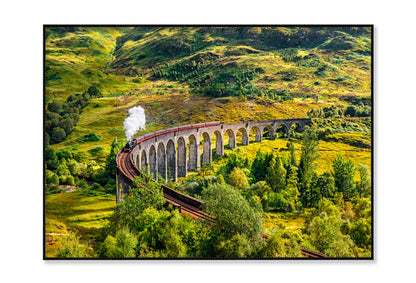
(21, 121)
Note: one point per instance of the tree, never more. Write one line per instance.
(70, 180)
(291, 191)
(238, 179)
(238, 246)
(123, 245)
(52, 161)
(276, 175)
(51, 178)
(309, 156)
(344, 176)
(67, 124)
(325, 234)
(93, 91)
(58, 135)
(234, 214)
(364, 184)
(138, 199)
(292, 153)
(62, 169)
(47, 139)
(259, 164)
(73, 167)
(361, 233)
(324, 186)
(55, 106)
(70, 246)
(307, 163)
(350, 111)
(276, 248)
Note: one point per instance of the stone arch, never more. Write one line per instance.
(143, 160)
(181, 160)
(219, 143)
(153, 162)
(171, 160)
(231, 138)
(161, 160)
(206, 148)
(268, 132)
(282, 130)
(244, 136)
(257, 134)
(193, 153)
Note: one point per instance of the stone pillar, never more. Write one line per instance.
(207, 152)
(244, 137)
(259, 136)
(181, 160)
(219, 144)
(231, 139)
(153, 162)
(171, 161)
(193, 153)
(162, 161)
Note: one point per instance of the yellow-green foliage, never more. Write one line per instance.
(66, 213)
(327, 151)
(290, 221)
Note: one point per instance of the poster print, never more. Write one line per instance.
(208, 142)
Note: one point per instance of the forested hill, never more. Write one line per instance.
(271, 62)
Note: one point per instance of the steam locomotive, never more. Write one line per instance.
(132, 143)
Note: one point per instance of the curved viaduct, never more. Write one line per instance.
(172, 155)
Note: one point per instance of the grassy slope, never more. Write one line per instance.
(74, 213)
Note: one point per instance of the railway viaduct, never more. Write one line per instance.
(174, 154)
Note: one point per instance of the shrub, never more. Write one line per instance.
(58, 135)
(71, 247)
(122, 245)
(82, 184)
(91, 137)
(51, 178)
(70, 180)
(238, 179)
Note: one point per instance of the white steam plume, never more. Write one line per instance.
(135, 121)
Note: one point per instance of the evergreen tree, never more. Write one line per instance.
(292, 192)
(364, 184)
(52, 161)
(276, 174)
(344, 176)
(308, 158)
(292, 153)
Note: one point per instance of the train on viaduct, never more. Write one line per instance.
(177, 151)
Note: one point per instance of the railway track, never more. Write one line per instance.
(186, 204)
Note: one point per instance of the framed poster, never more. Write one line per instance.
(208, 142)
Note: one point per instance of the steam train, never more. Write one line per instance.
(132, 143)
